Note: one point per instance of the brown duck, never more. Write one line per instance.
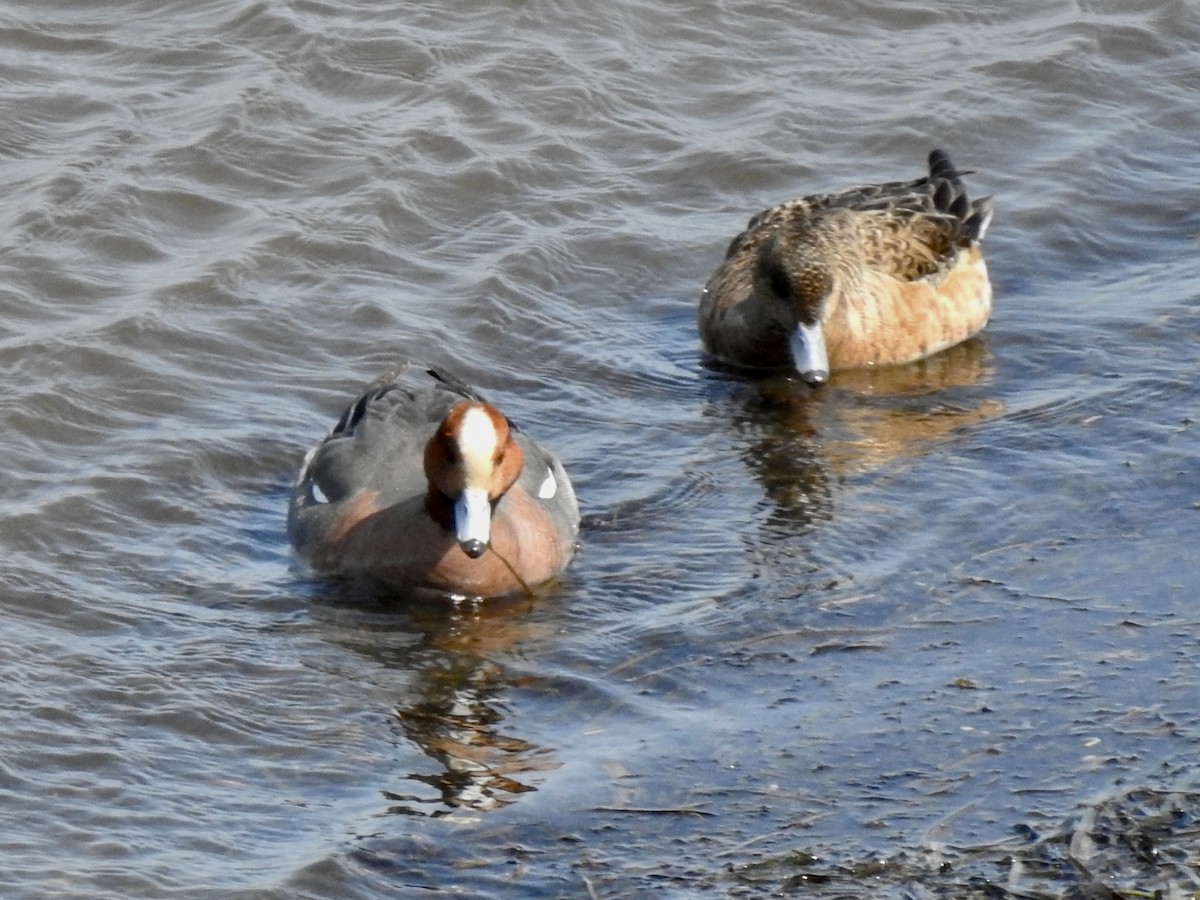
(873, 275)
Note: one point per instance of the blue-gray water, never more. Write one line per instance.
(921, 611)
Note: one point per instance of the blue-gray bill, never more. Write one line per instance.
(809, 354)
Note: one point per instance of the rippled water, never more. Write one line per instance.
(905, 615)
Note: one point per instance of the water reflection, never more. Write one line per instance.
(781, 446)
(456, 714)
(905, 411)
(798, 441)
(454, 709)
(456, 723)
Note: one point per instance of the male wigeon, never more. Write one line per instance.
(425, 486)
(872, 275)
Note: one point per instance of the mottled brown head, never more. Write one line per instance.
(794, 277)
(792, 269)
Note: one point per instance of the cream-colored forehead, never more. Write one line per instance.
(477, 438)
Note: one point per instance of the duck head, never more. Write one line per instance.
(795, 286)
(470, 462)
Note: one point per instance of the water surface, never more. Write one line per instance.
(942, 617)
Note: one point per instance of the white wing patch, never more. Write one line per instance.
(549, 487)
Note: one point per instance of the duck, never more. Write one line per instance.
(873, 275)
(424, 486)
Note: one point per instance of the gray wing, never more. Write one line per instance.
(379, 441)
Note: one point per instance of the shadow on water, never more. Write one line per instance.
(452, 710)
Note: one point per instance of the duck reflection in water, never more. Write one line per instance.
(799, 442)
(453, 709)
(456, 716)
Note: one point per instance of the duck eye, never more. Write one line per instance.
(781, 285)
